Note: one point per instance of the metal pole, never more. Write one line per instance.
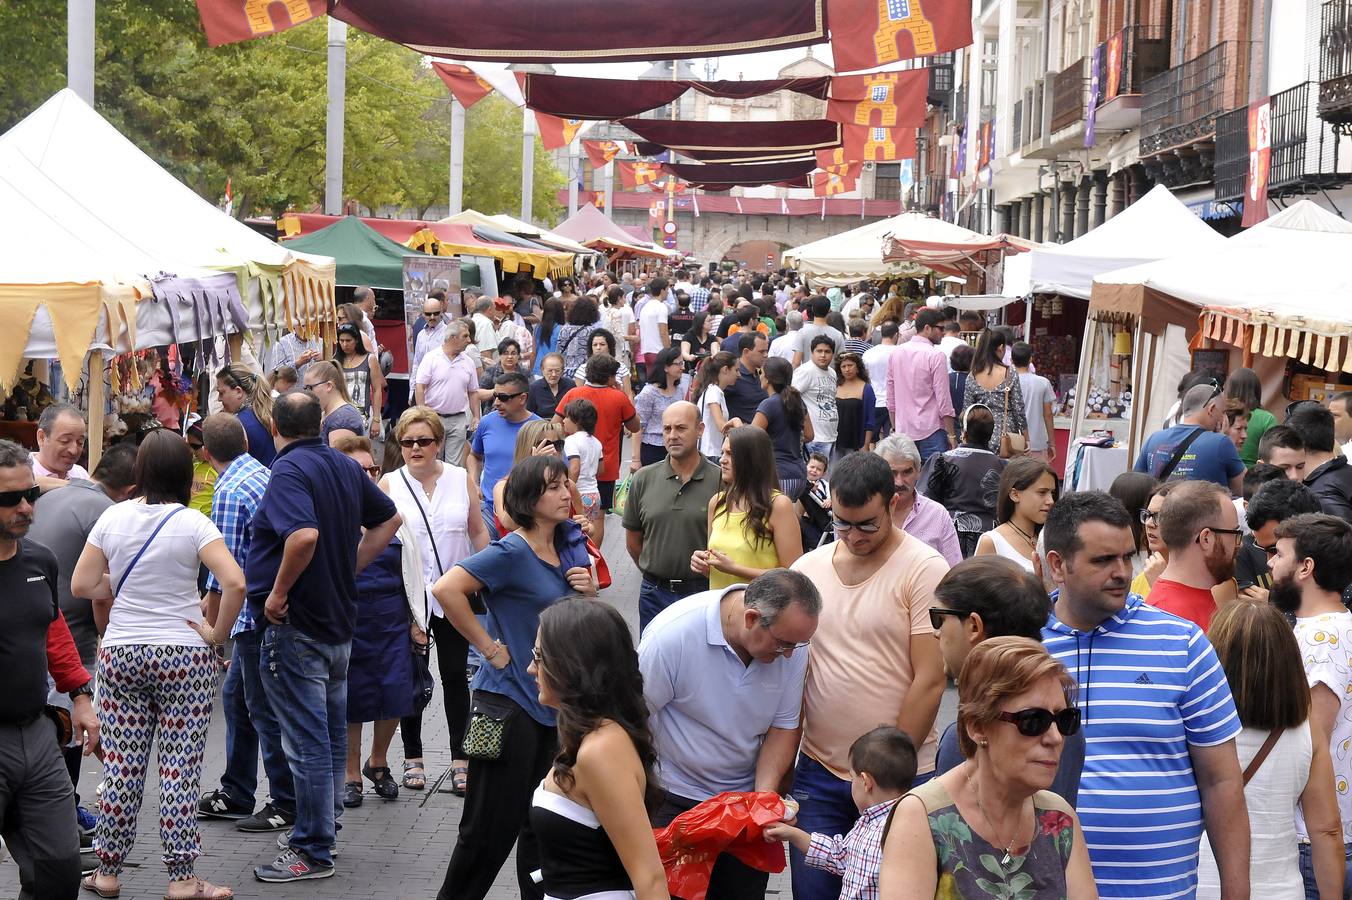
(80, 48)
(457, 198)
(610, 188)
(333, 133)
(572, 177)
(527, 162)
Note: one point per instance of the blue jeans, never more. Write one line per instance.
(825, 807)
(1307, 873)
(249, 726)
(822, 447)
(307, 680)
(652, 599)
(934, 443)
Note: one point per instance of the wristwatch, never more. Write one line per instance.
(84, 690)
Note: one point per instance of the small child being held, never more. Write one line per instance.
(882, 767)
(815, 519)
(582, 452)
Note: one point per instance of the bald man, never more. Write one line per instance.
(666, 516)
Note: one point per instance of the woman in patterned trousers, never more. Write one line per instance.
(158, 663)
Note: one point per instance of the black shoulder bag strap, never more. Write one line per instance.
(139, 553)
(431, 539)
(1178, 454)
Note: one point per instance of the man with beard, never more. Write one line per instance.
(1159, 720)
(1200, 526)
(914, 513)
(1312, 565)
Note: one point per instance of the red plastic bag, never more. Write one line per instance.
(728, 823)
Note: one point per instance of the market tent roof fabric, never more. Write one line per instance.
(934, 242)
(118, 184)
(1154, 227)
(594, 228)
(517, 227)
(857, 255)
(364, 255)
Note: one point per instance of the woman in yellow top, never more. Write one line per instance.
(752, 526)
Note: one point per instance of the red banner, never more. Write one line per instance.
(888, 99)
(639, 174)
(833, 160)
(556, 132)
(601, 152)
(1260, 162)
(870, 33)
(828, 184)
(867, 143)
(228, 21)
(467, 87)
(1113, 81)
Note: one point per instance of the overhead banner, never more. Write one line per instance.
(606, 99)
(639, 174)
(1092, 113)
(466, 87)
(829, 184)
(555, 132)
(887, 99)
(866, 34)
(601, 152)
(870, 144)
(228, 21)
(1260, 162)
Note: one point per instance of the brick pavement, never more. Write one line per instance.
(388, 849)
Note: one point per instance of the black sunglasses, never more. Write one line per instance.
(1270, 550)
(14, 498)
(417, 442)
(1237, 532)
(937, 614)
(504, 398)
(1035, 722)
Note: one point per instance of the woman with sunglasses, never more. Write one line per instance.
(1262, 663)
(753, 527)
(341, 418)
(991, 827)
(248, 396)
(517, 578)
(590, 813)
(439, 504)
(391, 599)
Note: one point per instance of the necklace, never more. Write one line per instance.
(1032, 542)
(1009, 845)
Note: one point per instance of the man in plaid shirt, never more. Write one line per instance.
(883, 766)
(699, 296)
(249, 721)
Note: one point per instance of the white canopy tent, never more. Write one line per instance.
(857, 255)
(1155, 227)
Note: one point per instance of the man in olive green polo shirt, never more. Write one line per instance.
(666, 516)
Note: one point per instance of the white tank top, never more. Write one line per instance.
(1006, 549)
(447, 510)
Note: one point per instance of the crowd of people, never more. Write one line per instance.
(835, 503)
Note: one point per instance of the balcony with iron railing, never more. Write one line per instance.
(1029, 137)
(1335, 61)
(1304, 155)
(1179, 106)
(1016, 124)
(1069, 95)
(1126, 61)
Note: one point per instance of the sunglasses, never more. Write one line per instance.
(1147, 516)
(417, 442)
(1035, 722)
(14, 498)
(841, 526)
(504, 398)
(431, 315)
(373, 471)
(937, 614)
(1269, 551)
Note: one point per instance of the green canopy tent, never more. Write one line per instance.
(364, 255)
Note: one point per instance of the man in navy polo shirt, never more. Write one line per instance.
(302, 578)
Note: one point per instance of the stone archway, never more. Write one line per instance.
(755, 253)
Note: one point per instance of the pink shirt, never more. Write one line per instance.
(447, 382)
(931, 523)
(917, 389)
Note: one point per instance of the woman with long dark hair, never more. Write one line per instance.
(667, 384)
(1025, 497)
(574, 340)
(547, 332)
(855, 405)
(361, 371)
(783, 416)
(996, 386)
(590, 813)
(1243, 385)
(699, 342)
(718, 373)
(752, 525)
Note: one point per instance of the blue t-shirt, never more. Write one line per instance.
(313, 484)
(1150, 687)
(787, 441)
(261, 446)
(518, 586)
(345, 416)
(495, 443)
(1211, 457)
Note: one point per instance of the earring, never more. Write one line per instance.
(983, 743)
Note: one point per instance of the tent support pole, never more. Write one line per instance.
(333, 133)
(95, 440)
(457, 198)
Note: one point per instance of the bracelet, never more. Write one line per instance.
(497, 648)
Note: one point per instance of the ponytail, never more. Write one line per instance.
(255, 386)
(779, 376)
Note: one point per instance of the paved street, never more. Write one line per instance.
(388, 849)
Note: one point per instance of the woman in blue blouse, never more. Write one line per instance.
(518, 577)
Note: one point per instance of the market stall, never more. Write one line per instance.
(509, 225)
(594, 230)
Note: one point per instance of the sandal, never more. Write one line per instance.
(385, 785)
(89, 884)
(351, 794)
(459, 780)
(205, 890)
(415, 776)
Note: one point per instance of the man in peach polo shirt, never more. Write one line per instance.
(875, 657)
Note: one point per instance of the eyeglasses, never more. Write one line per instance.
(937, 614)
(841, 526)
(311, 387)
(14, 498)
(195, 446)
(1035, 722)
(505, 398)
(1237, 532)
(1270, 551)
(417, 442)
(537, 656)
(1147, 516)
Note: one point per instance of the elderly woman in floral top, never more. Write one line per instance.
(996, 386)
(991, 827)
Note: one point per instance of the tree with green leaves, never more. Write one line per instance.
(254, 112)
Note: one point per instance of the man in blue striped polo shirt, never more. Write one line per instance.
(1159, 720)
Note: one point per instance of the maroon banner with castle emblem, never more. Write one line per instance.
(228, 21)
(870, 33)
